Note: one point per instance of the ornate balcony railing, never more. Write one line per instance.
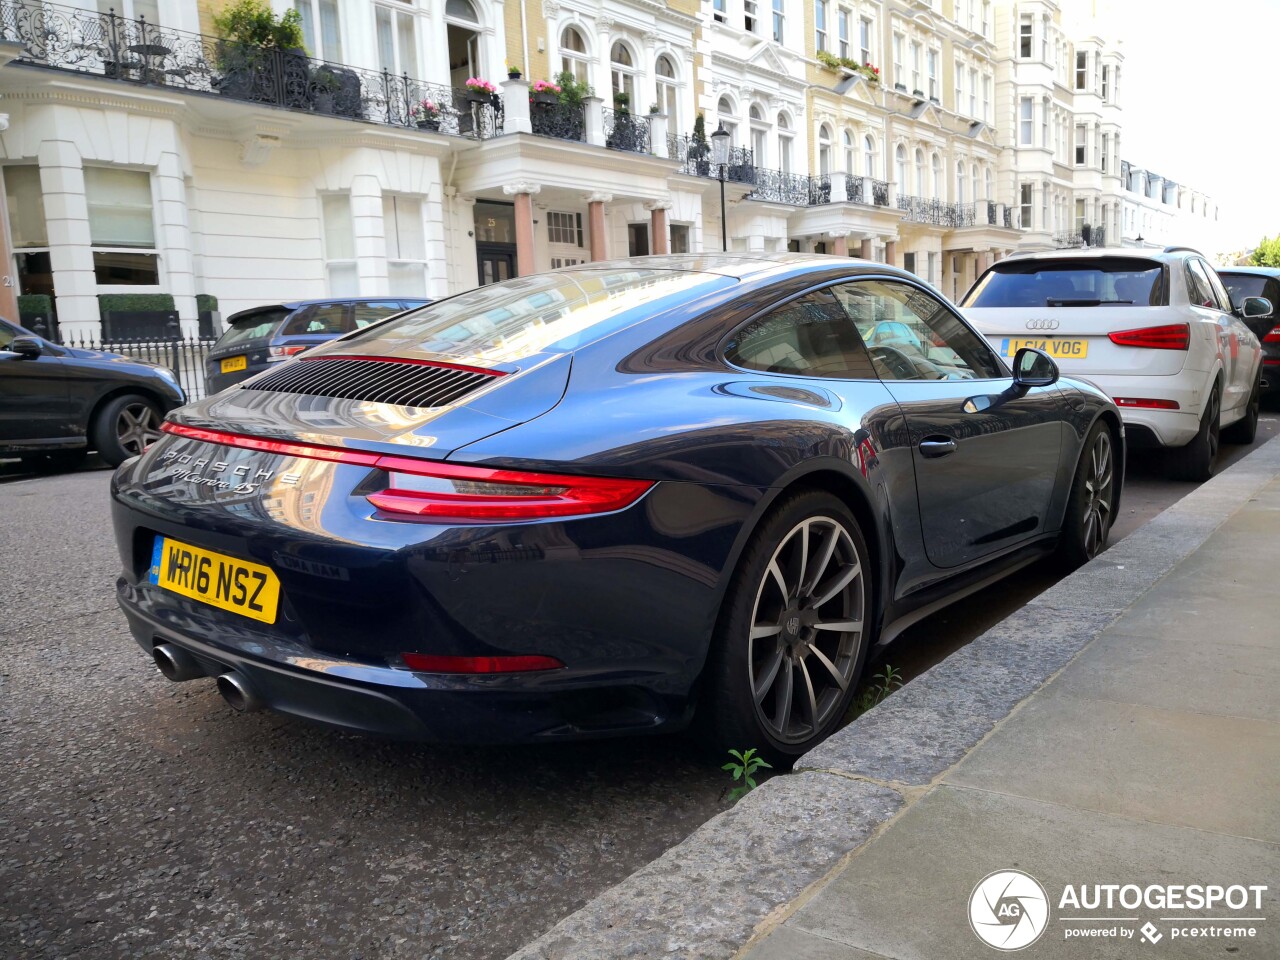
(695, 160)
(1089, 235)
(135, 51)
(624, 130)
(820, 189)
(561, 121)
(866, 190)
(924, 210)
(779, 187)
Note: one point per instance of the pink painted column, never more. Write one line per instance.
(867, 250)
(891, 253)
(595, 221)
(523, 192)
(659, 235)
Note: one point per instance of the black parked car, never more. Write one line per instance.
(1264, 282)
(58, 402)
(259, 337)
(577, 504)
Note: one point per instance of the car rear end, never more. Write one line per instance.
(1260, 282)
(245, 347)
(1105, 319)
(307, 539)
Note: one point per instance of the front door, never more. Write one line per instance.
(986, 456)
(34, 397)
(495, 262)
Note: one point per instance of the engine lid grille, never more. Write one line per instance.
(394, 380)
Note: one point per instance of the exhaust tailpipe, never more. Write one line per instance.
(236, 690)
(175, 663)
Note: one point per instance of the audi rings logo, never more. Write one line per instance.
(1042, 324)
(1008, 910)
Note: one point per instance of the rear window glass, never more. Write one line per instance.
(504, 322)
(256, 326)
(1241, 285)
(367, 313)
(1122, 281)
(327, 318)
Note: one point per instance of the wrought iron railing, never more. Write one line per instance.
(135, 51)
(923, 209)
(695, 159)
(820, 189)
(623, 130)
(562, 121)
(1089, 235)
(780, 187)
(866, 190)
(185, 356)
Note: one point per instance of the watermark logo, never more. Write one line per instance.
(1149, 933)
(1008, 910)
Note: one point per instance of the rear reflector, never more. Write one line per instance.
(430, 663)
(1173, 336)
(451, 493)
(1147, 403)
(1268, 361)
(1273, 336)
(284, 353)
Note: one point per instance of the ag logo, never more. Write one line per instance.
(1008, 910)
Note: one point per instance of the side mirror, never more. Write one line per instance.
(1033, 368)
(28, 348)
(1252, 307)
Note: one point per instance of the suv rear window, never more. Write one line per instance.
(1123, 281)
(254, 326)
(326, 318)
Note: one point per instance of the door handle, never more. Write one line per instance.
(933, 447)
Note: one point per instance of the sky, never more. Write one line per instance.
(1200, 94)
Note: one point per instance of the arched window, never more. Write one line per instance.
(939, 185)
(989, 185)
(900, 157)
(850, 154)
(462, 28)
(824, 149)
(785, 141)
(974, 172)
(959, 181)
(668, 91)
(727, 116)
(869, 149)
(921, 174)
(573, 53)
(759, 137)
(623, 69)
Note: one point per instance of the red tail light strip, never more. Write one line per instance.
(550, 494)
(430, 663)
(1273, 336)
(1173, 336)
(443, 365)
(1147, 403)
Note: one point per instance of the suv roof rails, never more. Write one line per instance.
(1181, 249)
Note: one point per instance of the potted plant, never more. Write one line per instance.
(699, 148)
(872, 73)
(572, 90)
(829, 60)
(655, 108)
(544, 92)
(479, 91)
(250, 34)
(426, 114)
(326, 85)
(622, 101)
(513, 71)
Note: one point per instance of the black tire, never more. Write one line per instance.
(124, 427)
(1245, 430)
(1195, 461)
(819, 665)
(1091, 507)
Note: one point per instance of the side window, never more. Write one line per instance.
(6, 335)
(1199, 291)
(912, 335)
(325, 318)
(366, 313)
(1215, 284)
(809, 336)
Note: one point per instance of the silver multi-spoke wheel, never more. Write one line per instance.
(807, 629)
(1099, 494)
(137, 427)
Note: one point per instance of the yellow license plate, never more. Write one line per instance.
(232, 364)
(1058, 349)
(248, 589)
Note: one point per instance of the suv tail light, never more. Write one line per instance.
(1273, 336)
(284, 353)
(520, 663)
(1173, 336)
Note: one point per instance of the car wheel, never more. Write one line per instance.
(125, 427)
(1245, 430)
(1091, 507)
(1195, 460)
(793, 634)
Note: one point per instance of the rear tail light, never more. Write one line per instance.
(1147, 403)
(1273, 336)
(452, 493)
(1173, 336)
(431, 663)
(284, 353)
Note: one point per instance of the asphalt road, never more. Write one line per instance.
(142, 818)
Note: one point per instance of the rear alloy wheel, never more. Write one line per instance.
(1245, 430)
(1195, 461)
(1091, 509)
(795, 633)
(125, 427)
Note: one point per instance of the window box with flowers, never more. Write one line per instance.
(426, 114)
(871, 72)
(544, 91)
(480, 91)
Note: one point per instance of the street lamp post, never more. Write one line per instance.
(720, 157)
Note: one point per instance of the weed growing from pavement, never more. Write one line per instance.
(883, 684)
(743, 768)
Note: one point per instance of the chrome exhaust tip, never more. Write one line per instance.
(240, 696)
(175, 663)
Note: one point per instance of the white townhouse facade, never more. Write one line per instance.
(142, 156)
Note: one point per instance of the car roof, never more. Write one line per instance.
(1258, 271)
(1095, 253)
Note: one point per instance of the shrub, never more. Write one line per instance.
(135, 303)
(254, 22)
(33, 306)
(206, 303)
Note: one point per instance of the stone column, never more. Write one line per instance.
(595, 220)
(659, 234)
(524, 191)
(984, 261)
(370, 235)
(9, 280)
(175, 239)
(868, 248)
(948, 275)
(593, 108)
(515, 107)
(840, 245)
(891, 253)
(658, 127)
(66, 214)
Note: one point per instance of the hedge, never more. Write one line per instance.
(134, 302)
(33, 305)
(206, 303)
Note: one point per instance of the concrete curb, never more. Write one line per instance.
(705, 896)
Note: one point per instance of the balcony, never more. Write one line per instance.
(695, 160)
(625, 131)
(1089, 235)
(134, 51)
(560, 121)
(866, 190)
(777, 186)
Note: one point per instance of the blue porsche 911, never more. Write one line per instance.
(615, 498)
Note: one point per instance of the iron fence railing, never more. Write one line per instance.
(185, 356)
(623, 130)
(1089, 235)
(561, 121)
(866, 190)
(820, 189)
(695, 159)
(922, 209)
(779, 186)
(135, 51)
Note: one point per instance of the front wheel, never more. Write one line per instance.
(125, 427)
(794, 632)
(1091, 508)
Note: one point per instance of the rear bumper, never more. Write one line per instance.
(215, 381)
(1166, 428)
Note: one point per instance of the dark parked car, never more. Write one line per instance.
(579, 503)
(1263, 282)
(58, 402)
(257, 338)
